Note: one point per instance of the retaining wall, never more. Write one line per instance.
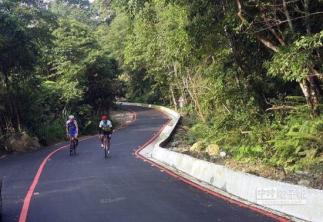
(298, 201)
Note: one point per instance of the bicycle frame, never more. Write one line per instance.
(72, 146)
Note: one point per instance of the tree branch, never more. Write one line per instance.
(288, 16)
(283, 107)
(262, 39)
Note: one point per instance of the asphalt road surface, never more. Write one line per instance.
(88, 187)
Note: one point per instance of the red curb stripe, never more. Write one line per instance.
(30, 192)
(27, 200)
(197, 186)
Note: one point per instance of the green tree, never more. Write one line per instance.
(287, 29)
(22, 32)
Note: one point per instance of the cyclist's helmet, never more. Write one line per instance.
(104, 117)
(71, 117)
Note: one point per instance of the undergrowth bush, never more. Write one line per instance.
(293, 141)
(299, 142)
(249, 152)
(51, 132)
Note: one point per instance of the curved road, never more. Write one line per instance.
(121, 189)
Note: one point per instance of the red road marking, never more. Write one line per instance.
(197, 186)
(27, 200)
(30, 192)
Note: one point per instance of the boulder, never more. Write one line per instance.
(321, 158)
(181, 149)
(304, 182)
(197, 147)
(223, 154)
(175, 144)
(213, 150)
(21, 142)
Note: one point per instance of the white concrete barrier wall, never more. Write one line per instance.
(297, 201)
(294, 200)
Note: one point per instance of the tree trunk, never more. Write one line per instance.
(194, 97)
(309, 86)
(173, 96)
(310, 92)
(315, 94)
(288, 16)
(11, 113)
(307, 21)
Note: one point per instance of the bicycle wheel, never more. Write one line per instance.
(105, 149)
(71, 148)
(108, 144)
(74, 147)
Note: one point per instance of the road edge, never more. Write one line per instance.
(199, 173)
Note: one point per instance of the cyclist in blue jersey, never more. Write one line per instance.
(72, 129)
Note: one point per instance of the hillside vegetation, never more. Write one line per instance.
(246, 75)
(52, 64)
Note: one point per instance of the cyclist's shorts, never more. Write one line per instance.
(107, 133)
(72, 132)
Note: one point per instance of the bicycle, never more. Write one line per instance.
(73, 145)
(106, 144)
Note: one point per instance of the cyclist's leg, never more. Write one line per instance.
(71, 144)
(102, 140)
(74, 142)
(105, 145)
(71, 136)
(109, 140)
(106, 141)
(74, 137)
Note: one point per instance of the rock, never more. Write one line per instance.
(174, 144)
(281, 177)
(304, 182)
(22, 142)
(223, 154)
(302, 173)
(181, 149)
(35, 143)
(198, 147)
(320, 158)
(213, 150)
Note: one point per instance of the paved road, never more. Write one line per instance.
(121, 189)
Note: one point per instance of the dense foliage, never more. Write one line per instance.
(248, 72)
(52, 64)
